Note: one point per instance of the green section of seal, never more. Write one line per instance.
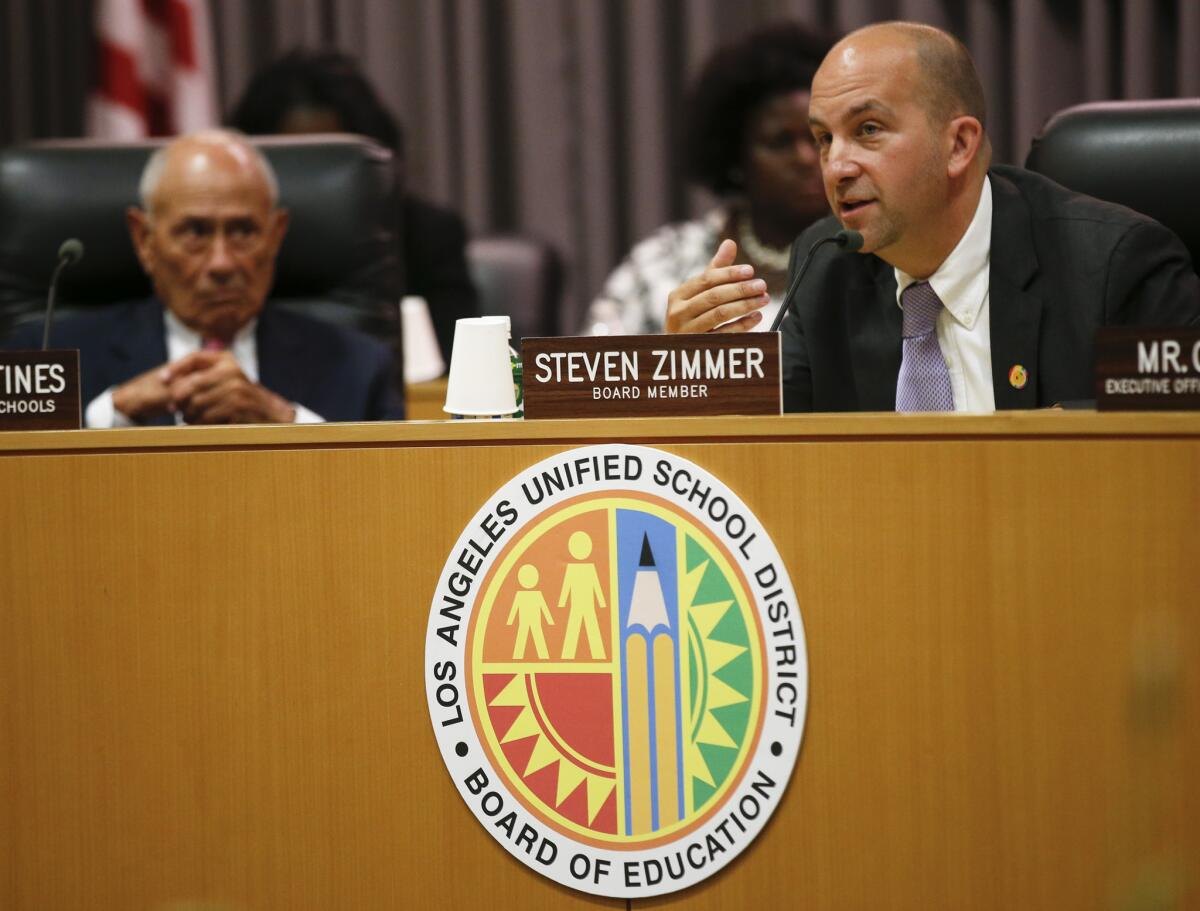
(732, 628)
(719, 760)
(734, 719)
(738, 673)
(710, 661)
(714, 587)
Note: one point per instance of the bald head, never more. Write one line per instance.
(209, 230)
(947, 82)
(897, 111)
(206, 151)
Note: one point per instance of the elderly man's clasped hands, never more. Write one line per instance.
(205, 387)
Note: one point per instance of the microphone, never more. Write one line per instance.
(847, 239)
(69, 253)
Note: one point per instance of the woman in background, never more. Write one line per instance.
(325, 92)
(746, 140)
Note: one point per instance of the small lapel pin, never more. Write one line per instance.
(1018, 376)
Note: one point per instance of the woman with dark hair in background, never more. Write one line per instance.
(747, 140)
(325, 92)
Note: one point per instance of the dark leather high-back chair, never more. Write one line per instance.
(1142, 154)
(338, 260)
(520, 277)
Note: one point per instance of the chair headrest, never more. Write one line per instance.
(519, 276)
(1140, 154)
(338, 190)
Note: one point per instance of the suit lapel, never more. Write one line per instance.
(138, 344)
(1015, 312)
(873, 324)
(280, 365)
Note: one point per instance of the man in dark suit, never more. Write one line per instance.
(333, 373)
(976, 289)
(205, 350)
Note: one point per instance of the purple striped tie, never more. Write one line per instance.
(924, 381)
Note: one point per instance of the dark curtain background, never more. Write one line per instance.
(558, 117)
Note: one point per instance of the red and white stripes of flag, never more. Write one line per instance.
(154, 69)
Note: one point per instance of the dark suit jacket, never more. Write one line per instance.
(1062, 265)
(337, 372)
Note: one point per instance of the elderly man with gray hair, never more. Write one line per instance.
(205, 349)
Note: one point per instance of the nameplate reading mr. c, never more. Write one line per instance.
(652, 375)
(1143, 369)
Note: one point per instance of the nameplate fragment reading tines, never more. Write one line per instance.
(39, 390)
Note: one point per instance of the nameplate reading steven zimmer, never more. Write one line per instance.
(652, 375)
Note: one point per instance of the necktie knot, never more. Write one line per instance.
(921, 308)
(212, 343)
(924, 380)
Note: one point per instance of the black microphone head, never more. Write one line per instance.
(71, 250)
(849, 240)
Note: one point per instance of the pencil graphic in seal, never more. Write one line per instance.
(652, 766)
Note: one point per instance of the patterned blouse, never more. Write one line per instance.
(634, 299)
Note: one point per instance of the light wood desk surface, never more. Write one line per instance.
(211, 654)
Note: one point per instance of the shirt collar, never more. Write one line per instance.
(182, 337)
(961, 281)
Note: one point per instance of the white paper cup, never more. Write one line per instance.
(481, 380)
(422, 357)
(502, 320)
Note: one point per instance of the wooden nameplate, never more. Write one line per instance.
(652, 375)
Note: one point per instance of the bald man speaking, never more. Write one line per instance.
(977, 287)
(206, 349)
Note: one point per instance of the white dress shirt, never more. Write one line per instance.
(182, 341)
(963, 327)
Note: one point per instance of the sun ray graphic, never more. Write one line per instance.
(721, 675)
(537, 757)
(569, 778)
(598, 790)
(543, 754)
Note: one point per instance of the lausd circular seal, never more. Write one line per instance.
(616, 671)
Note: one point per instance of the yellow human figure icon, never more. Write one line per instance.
(581, 584)
(529, 607)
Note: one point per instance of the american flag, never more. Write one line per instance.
(154, 69)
